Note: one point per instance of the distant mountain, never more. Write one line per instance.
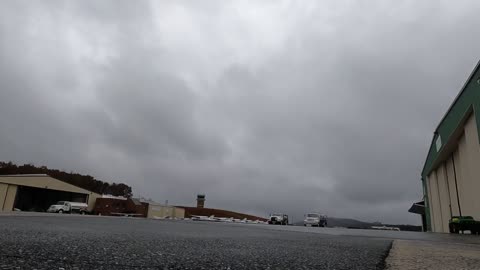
(345, 222)
(357, 224)
(350, 223)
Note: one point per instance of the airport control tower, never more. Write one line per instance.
(200, 200)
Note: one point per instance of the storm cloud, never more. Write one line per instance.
(265, 106)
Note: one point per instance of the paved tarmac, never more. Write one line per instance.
(394, 235)
(52, 241)
(422, 255)
(78, 242)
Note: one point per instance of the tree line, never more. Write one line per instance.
(83, 181)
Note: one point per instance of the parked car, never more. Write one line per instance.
(68, 207)
(315, 220)
(280, 219)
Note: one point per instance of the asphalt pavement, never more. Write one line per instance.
(79, 242)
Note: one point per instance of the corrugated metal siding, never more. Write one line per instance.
(467, 101)
(3, 195)
(462, 165)
(444, 197)
(10, 198)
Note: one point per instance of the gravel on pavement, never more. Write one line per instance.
(75, 242)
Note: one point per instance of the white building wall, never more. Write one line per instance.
(469, 167)
(443, 197)
(451, 187)
(442, 191)
(431, 204)
(435, 206)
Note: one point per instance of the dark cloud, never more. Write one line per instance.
(270, 107)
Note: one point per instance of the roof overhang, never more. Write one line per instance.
(418, 208)
(42, 181)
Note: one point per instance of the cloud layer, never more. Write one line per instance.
(271, 106)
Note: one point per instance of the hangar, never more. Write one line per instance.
(36, 192)
(451, 173)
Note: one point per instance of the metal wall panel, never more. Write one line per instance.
(3, 194)
(10, 198)
(468, 165)
(435, 206)
(464, 166)
(430, 202)
(443, 197)
(452, 187)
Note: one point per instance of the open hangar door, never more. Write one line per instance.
(40, 199)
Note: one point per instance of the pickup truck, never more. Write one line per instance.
(280, 219)
(315, 220)
(68, 207)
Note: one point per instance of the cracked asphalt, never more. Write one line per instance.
(78, 242)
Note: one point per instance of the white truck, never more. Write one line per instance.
(280, 219)
(68, 207)
(315, 220)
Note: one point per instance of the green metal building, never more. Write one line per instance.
(451, 173)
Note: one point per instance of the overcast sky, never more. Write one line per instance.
(289, 106)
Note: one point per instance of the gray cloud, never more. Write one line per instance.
(263, 106)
